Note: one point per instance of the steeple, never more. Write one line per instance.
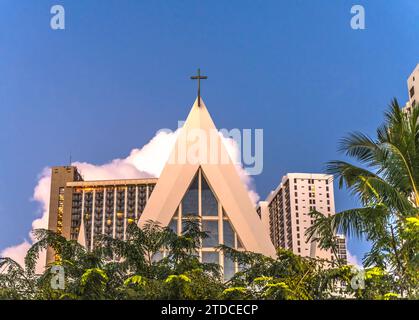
(221, 176)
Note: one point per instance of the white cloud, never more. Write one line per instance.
(41, 195)
(234, 153)
(353, 260)
(17, 252)
(145, 162)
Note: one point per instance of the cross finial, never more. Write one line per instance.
(199, 77)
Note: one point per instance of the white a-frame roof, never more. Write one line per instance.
(186, 158)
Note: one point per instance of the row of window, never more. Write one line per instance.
(310, 181)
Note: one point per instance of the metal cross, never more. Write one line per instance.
(199, 77)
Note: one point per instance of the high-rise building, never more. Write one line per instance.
(106, 207)
(60, 202)
(286, 211)
(207, 187)
(341, 246)
(413, 90)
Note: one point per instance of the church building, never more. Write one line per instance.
(199, 180)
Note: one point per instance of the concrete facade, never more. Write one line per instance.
(413, 89)
(94, 207)
(60, 202)
(213, 162)
(288, 206)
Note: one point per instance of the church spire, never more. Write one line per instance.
(210, 159)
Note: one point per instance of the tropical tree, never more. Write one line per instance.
(386, 182)
(15, 283)
(285, 277)
(155, 263)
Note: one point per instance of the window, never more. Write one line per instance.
(412, 91)
(228, 234)
(209, 202)
(296, 194)
(327, 188)
(173, 225)
(210, 257)
(211, 227)
(217, 226)
(157, 256)
(327, 195)
(328, 209)
(228, 268)
(184, 226)
(239, 243)
(190, 200)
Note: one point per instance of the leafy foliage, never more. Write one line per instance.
(386, 182)
(155, 263)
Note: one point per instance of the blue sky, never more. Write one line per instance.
(120, 71)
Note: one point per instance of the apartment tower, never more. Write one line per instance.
(285, 213)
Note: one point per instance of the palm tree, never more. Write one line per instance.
(386, 182)
(287, 276)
